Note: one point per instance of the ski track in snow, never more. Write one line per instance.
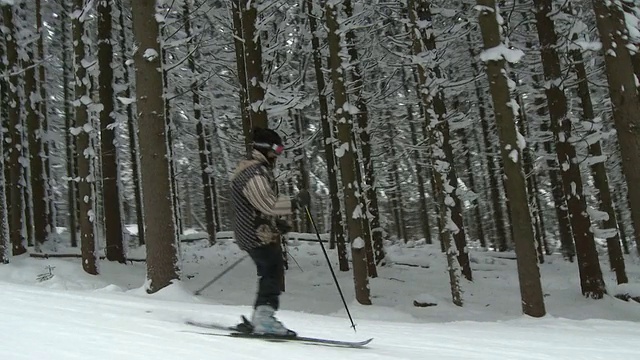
(40, 323)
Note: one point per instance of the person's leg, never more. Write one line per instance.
(268, 262)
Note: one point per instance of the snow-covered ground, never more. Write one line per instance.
(72, 315)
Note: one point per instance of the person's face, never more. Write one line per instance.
(272, 157)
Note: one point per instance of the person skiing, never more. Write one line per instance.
(258, 227)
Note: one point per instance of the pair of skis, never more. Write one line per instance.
(245, 330)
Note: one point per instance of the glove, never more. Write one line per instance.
(303, 199)
(283, 226)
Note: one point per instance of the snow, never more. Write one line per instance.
(150, 54)
(501, 52)
(75, 315)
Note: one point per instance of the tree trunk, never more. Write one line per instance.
(252, 49)
(238, 41)
(345, 151)
(70, 140)
(131, 128)
(528, 273)
(624, 100)
(599, 173)
(5, 239)
(159, 220)
(417, 159)
(501, 232)
(38, 200)
(114, 250)
(439, 138)
(371, 195)
(337, 230)
(85, 152)
(15, 168)
(205, 163)
(44, 116)
(588, 263)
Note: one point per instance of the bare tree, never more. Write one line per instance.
(159, 221)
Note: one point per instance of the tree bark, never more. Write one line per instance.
(159, 220)
(528, 273)
(337, 230)
(345, 151)
(624, 100)
(69, 122)
(599, 173)
(252, 50)
(38, 200)
(204, 155)
(501, 232)
(44, 116)
(590, 274)
(114, 249)
(15, 222)
(131, 129)
(85, 152)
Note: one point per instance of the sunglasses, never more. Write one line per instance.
(278, 149)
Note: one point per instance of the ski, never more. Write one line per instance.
(243, 330)
(304, 339)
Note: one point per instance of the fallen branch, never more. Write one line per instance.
(47, 256)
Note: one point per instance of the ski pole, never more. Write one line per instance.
(335, 279)
(221, 274)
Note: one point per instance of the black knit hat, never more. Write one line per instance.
(266, 139)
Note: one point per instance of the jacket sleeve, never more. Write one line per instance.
(259, 193)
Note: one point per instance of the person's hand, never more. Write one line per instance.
(302, 200)
(283, 226)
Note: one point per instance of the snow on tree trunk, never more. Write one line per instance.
(50, 182)
(15, 168)
(114, 247)
(204, 155)
(494, 55)
(345, 151)
(83, 131)
(500, 231)
(624, 99)
(337, 228)
(70, 139)
(131, 127)
(417, 159)
(159, 220)
(590, 274)
(37, 201)
(5, 240)
(252, 55)
(598, 169)
(370, 198)
(438, 135)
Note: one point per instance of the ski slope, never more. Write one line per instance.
(72, 315)
(38, 323)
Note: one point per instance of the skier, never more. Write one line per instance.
(258, 227)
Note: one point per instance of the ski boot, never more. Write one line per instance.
(265, 323)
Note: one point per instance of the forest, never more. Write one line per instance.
(507, 127)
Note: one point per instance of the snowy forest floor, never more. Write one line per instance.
(75, 315)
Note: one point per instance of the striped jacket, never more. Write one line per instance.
(256, 203)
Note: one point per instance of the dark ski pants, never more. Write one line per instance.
(269, 263)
